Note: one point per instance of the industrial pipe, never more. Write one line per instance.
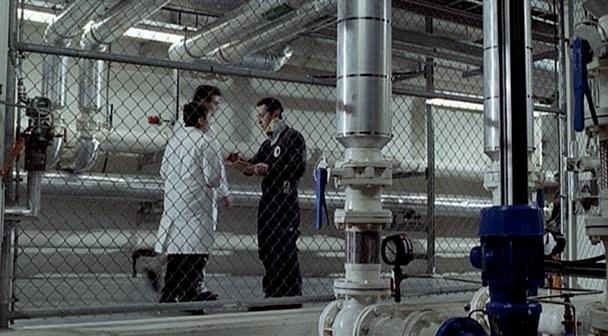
(54, 67)
(150, 189)
(363, 83)
(90, 79)
(282, 32)
(232, 26)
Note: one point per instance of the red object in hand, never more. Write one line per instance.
(154, 120)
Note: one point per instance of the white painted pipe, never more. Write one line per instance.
(344, 322)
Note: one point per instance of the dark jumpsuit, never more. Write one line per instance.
(279, 213)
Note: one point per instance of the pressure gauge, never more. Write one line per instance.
(397, 250)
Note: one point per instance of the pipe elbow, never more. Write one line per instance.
(85, 156)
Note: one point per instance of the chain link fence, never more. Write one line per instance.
(120, 90)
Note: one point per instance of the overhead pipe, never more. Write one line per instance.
(59, 33)
(90, 79)
(230, 27)
(150, 189)
(271, 60)
(301, 20)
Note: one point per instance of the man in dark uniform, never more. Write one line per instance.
(281, 160)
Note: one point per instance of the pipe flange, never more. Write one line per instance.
(599, 320)
(366, 288)
(327, 317)
(382, 217)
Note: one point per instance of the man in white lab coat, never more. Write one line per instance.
(193, 172)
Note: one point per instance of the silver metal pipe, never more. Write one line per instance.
(232, 26)
(54, 68)
(8, 15)
(491, 69)
(90, 79)
(271, 60)
(150, 188)
(297, 23)
(364, 74)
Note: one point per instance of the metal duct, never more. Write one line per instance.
(363, 75)
(54, 68)
(270, 61)
(150, 189)
(90, 80)
(303, 19)
(492, 81)
(232, 25)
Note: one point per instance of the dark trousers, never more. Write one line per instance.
(183, 277)
(282, 276)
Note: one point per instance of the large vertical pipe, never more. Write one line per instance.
(492, 90)
(9, 15)
(512, 58)
(363, 74)
(511, 252)
(430, 154)
(570, 179)
(363, 90)
(363, 127)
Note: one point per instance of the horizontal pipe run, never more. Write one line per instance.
(229, 71)
(150, 188)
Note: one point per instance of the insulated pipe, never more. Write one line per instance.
(270, 61)
(90, 80)
(230, 27)
(363, 128)
(54, 68)
(282, 32)
(491, 77)
(150, 189)
(363, 74)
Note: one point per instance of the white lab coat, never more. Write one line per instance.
(194, 178)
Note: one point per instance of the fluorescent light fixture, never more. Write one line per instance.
(35, 16)
(455, 104)
(468, 106)
(138, 33)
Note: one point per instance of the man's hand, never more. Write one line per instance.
(233, 158)
(259, 169)
(227, 201)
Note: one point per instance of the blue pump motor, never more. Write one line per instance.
(511, 261)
